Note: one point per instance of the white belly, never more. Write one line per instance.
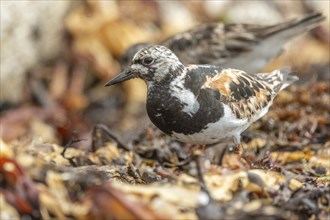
(227, 127)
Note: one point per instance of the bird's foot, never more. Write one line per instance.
(246, 162)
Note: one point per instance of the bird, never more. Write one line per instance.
(248, 47)
(202, 104)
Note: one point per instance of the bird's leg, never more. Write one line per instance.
(196, 158)
(222, 150)
(204, 197)
(239, 151)
(200, 177)
(222, 154)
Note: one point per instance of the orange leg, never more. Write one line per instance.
(245, 161)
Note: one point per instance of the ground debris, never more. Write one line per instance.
(58, 162)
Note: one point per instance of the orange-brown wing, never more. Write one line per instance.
(245, 94)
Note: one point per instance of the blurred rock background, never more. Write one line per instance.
(31, 31)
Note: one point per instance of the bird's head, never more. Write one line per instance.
(153, 64)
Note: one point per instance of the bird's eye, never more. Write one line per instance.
(148, 60)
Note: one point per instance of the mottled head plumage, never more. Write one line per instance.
(156, 52)
(155, 63)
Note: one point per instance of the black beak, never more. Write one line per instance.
(123, 76)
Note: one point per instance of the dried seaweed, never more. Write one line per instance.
(126, 168)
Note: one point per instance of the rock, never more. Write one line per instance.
(30, 31)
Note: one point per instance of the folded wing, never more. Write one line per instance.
(245, 94)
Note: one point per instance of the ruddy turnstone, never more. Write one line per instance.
(244, 46)
(202, 104)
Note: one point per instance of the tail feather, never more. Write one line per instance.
(273, 39)
(287, 78)
(295, 26)
(278, 79)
